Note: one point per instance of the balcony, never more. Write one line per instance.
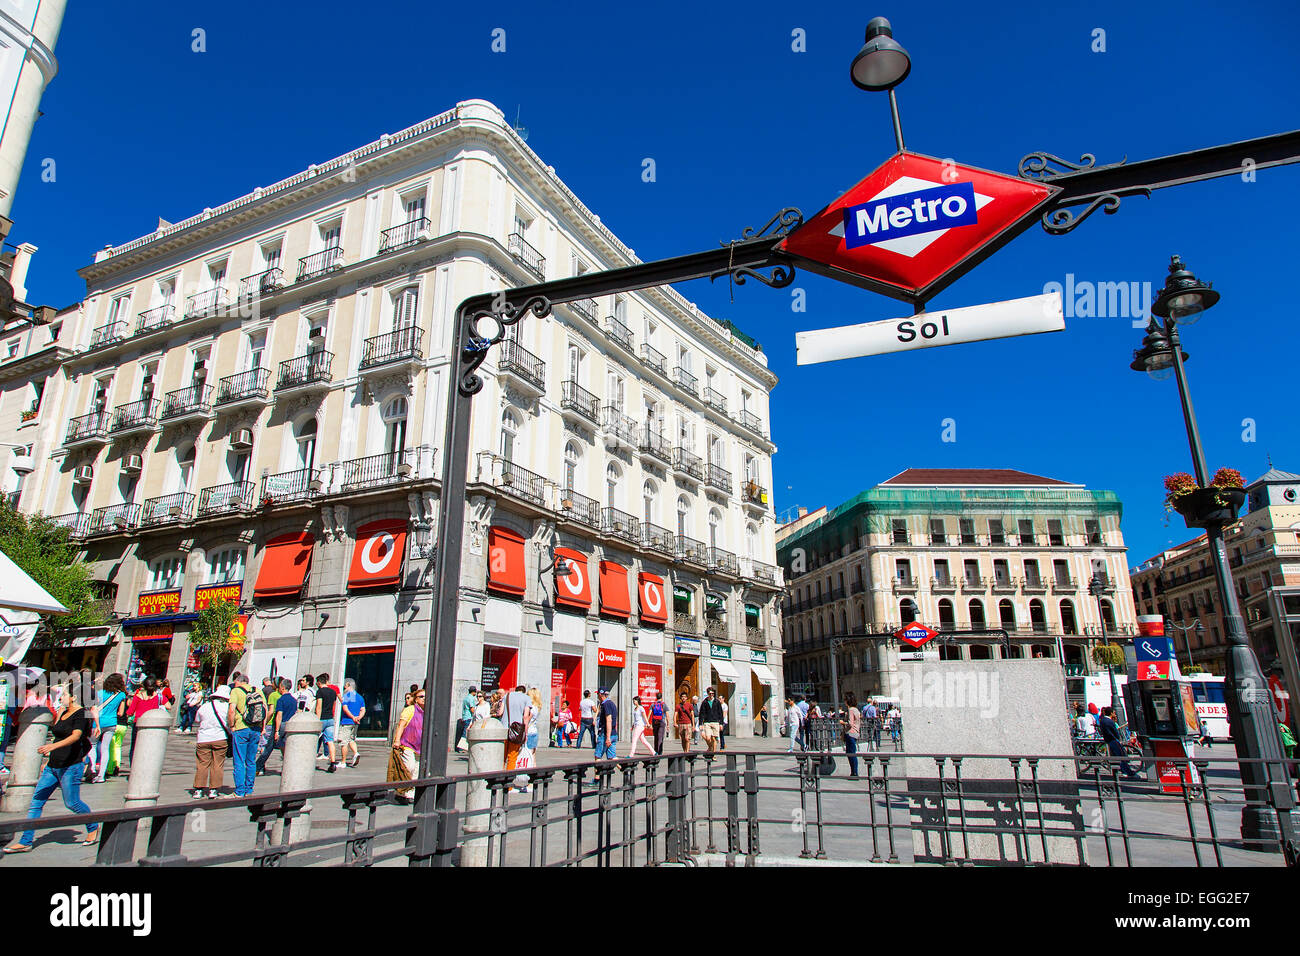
(750, 422)
(907, 585)
(762, 572)
(652, 358)
(320, 263)
(1064, 585)
(687, 465)
(715, 399)
(290, 486)
(226, 499)
(527, 370)
(138, 416)
(186, 403)
(651, 444)
(244, 388)
(715, 629)
(577, 403)
(155, 319)
(658, 539)
(1005, 585)
(684, 623)
(943, 585)
(107, 335)
(974, 584)
(619, 334)
(619, 430)
(587, 308)
(718, 478)
(400, 347)
(266, 282)
(77, 523)
(407, 234)
(580, 508)
(685, 381)
(114, 518)
(620, 524)
(161, 510)
(691, 551)
(857, 587)
(522, 483)
(87, 429)
(724, 562)
(526, 255)
(753, 495)
(1034, 586)
(377, 471)
(754, 635)
(310, 372)
(204, 303)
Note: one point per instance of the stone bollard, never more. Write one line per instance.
(301, 738)
(33, 731)
(487, 752)
(151, 729)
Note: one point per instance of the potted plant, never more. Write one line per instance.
(1200, 507)
(267, 501)
(30, 413)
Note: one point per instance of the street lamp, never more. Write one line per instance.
(1098, 586)
(880, 66)
(1250, 711)
(1197, 626)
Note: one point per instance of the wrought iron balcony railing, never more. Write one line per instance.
(407, 234)
(620, 524)
(1035, 585)
(201, 303)
(685, 380)
(114, 518)
(523, 483)
(77, 523)
(242, 385)
(580, 508)
(288, 486)
(574, 396)
(653, 443)
(320, 263)
(222, 499)
(685, 623)
(514, 359)
(526, 255)
(375, 471)
(401, 345)
(715, 399)
(943, 584)
(109, 334)
(619, 426)
(718, 478)
(754, 635)
(266, 282)
(686, 463)
(310, 369)
(652, 357)
(974, 583)
(184, 402)
(94, 425)
(657, 539)
(753, 493)
(762, 572)
(587, 308)
(619, 333)
(696, 552)
(1063, 583)
(141, 414)
(175, 507)
(1005, 585)
(751, 422)
(155, 319)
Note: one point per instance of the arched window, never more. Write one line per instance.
(648, 495)
(166, 572)
(1108, 616)
(394, 417)
(225, 565)
(571, 455)
(613, 475)
(907, 610)
(1038, 616)
(981, 652)
(683, 515)
(947, 619)
(844, 622)
(185, 461)
(976, 609)
(306, 439)
(715, 523)
(1068, 623)
(862, 618)
(511, 423)
(751, 540)
(1007, 615)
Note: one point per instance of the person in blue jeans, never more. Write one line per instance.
(606, 726)
(246, 737)
(68, 747)
(586, 719)
(286, 708)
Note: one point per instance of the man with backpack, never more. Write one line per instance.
(658, 723)
(245, 718)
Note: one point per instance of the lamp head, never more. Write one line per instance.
(882, 63)
(1184, 296)
(1155, 357)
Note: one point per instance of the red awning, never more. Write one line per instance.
(505, 561)
(614, 598)
(377, 555)
(654, 606)
(285, 561)
(574, 588)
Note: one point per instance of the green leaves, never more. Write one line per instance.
(210, 633)
(47, 553)
(1108, 655)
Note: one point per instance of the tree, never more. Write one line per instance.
(210, 634)
(47, 553)
(1108, 656)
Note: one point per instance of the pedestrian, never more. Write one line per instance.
(852, 721)
(895, 725)
(563, 723)
(165, 694)
(352, 708)
(534, 736)
(1085, 723)
(498, 704)
(726, 724)
(142, 701)
(658, 722)
(467, 705)
(326, 705)
(402, 764)
(518, 711)
(640, 726)
(482, 709)
(245, 717)
(711, 720)
(606, 726)
(684, 721)
(587, 718)
(212, 742)
(1115, 741)
(1288, 739)
(284, 710)
(306, 694)
(695, 709)
(111, 709)
(794, 723)
(68, 744)
(762, 717)
(190, 708)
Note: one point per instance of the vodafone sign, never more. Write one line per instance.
(573, 586)
(654, 606)
(611, 658)
(377, 557)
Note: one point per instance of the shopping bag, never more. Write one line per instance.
(462, 745)
(524, 760)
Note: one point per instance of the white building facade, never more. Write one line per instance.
(28, 32)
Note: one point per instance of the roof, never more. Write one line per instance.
(1274, 475)
(972, 477)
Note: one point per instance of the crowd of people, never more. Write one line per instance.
(861, 725)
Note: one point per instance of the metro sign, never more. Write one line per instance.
(916, 634)
(916, 224)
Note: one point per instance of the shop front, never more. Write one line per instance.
(686, 666)
(762, 680)
(373, 667)
(85, 652)
(725, 678)
(566, 681)
(500, 665)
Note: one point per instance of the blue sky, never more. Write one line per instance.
(739, 125)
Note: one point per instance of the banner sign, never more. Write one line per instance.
(647, 684)
(687, 645)
(152, 632)
(206, 595)
(610, 658)
(720, 651)
(159, 602)
(757, 656)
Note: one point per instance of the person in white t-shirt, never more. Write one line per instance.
(587, 713)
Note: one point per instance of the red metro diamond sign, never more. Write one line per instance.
(915, 634)
(915, 225)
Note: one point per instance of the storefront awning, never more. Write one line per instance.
(763, 673)
(159, 619)
(653, 608)
(377, 555)
(573, 586)
(614, 597)
(284, 565)
(726, 670)
(505, 562)
(22, 593)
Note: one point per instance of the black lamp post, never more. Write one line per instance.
(1196, 625)
(1266, 818)
(1098, 587)
(880, 66)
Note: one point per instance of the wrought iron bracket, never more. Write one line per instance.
(1060, 219)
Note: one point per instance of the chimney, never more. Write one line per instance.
(803, 512)
(18, 271)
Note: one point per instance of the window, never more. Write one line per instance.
(199, 369)
(1061, 570)
(941, 572)
(971, 569)
(614, 390)
(394, 417)
(967, 529)
(414, 205)
(648, 493)
(1025, 528)
(405, 308)
(947, 621)
(316, 328)
(306, 439)
(976, 610)
(165, 291)
(166, 572)
(683, 515)
(613, 475)
(576, 356)
(996, 534)
(185, 470)
(1001, 573)
(118, 311)
(11, 348)
(716, 456)
(99, 399)
(715, 522)
(1038, 616)
(330, 233)
(216, 273)
(1068, 623)
(903, 572)
(907, 610)
(1031, 573)
(225, 566)
(751, 541)
(1007, 615)
(899, 526)
(1108, 616)
(256, 349)
(938, 532)
(1092, 530)
(271, 255)
(510, 425)
(148, 374)
(571, 455)
(1055, 535)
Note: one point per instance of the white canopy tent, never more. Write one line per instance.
(22, 602)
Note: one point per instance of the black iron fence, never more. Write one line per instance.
(400, 345)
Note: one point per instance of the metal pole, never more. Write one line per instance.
(1266, 819)
(835, 677)
(898, 125)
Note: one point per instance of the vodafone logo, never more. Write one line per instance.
(652, 596)
(574, 581)
(377, 556)
(378, 553)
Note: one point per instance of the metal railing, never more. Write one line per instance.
(719, 478)
(195, 400)
(114, 518)
(407, 234)
(619, 425)
(242, 385)
(1064, 584)
(526, 255)
(753, 493)
(222, 499)
(587, 308)
(77, 523)
(657, 539)
(154, 319)
(580, 508)
(94, 425)
(689, 549)
(620, 524)
(724, 561)
(375, 471)
(684, 623)
(399, 345)
(523, 483)
(289, 486)
(763, 572)
(687, 463)
(141, 414)
(310, 369)
(201, 303)
(943, 584)
(1034, 585)
(175, 507)
(266, 282)
(320, 263)
(1005, 585)
(574, 396)
(652, 443)
(109, 334)
(619, 333)
(715, 399)
(751, 421)
(652, 357)
(514, 359)
(685, 380)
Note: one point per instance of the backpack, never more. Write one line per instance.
(255, 709)
(657, 710)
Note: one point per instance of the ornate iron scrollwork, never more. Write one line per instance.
(782, 276)
(504, 313)
(1059, 221)
(1038, 165)
(786, 221)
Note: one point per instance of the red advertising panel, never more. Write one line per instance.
(654, 606)
(159, 602)
(206, 595)
(505, 561)
(499, 667)
(284, 565)
(1173, 774)
(1151, 625)
(1153, 670)
(610, 658)
(377, 556)
(573, 587)
(649, 684)
(614, 599)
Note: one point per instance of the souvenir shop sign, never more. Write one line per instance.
(206, 595)
(159, 602)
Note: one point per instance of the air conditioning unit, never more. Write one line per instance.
(404, 469)
(132, 464)
(242, 439)
(423, 234)
(84, 475)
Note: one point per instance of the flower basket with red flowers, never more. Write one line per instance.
(1201, 507)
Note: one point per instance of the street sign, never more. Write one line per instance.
(915, 634)
(915, 224)
(1153, 649)
(976, 323)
